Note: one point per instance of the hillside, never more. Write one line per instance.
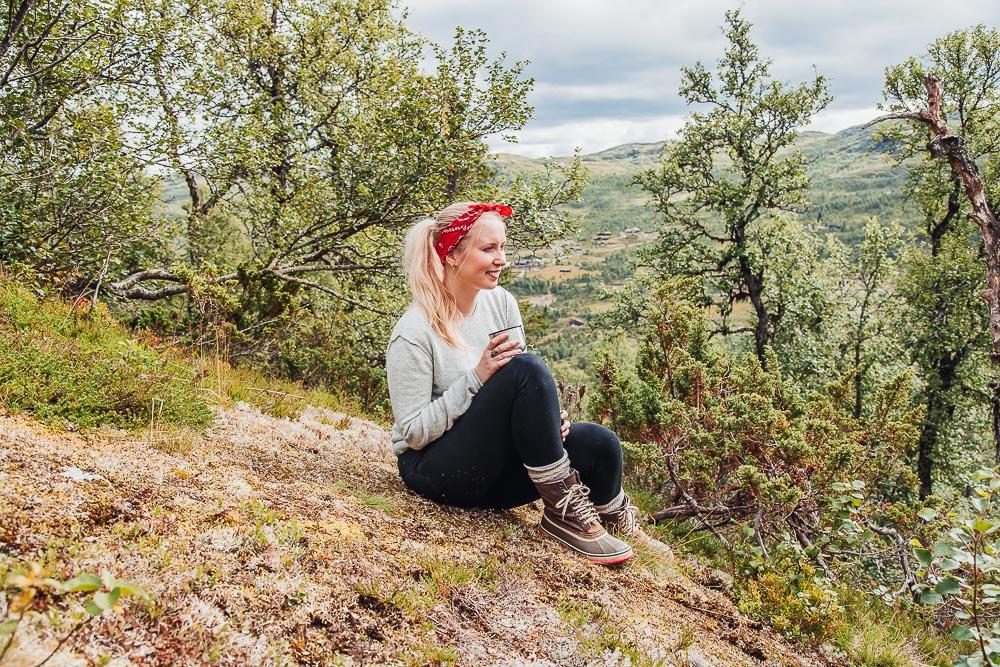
(292, 541)
(851, 179)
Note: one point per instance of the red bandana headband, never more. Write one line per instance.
(461, 225)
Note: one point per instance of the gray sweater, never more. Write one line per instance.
(431, 383)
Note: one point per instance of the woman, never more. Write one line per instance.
(477, 421)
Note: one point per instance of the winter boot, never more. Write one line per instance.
(570, 517)
(620, 518)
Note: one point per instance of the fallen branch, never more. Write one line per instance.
(909, 581)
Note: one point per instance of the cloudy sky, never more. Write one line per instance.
(607, 71)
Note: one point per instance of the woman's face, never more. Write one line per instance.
(480, 256)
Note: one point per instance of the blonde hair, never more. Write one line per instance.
(425, 273)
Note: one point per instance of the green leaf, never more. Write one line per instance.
(83, 582)
(931, 598)
(958, 534)
(947, 564)
(128, 588)
(946, 550)
(971, 660)
(924, 556)
(964, 633)
(8, 627)
(106, 600)
(927, 514)
(93, 609)
(993, 650)
(947, 587)
(982, 525)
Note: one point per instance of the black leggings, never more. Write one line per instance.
(512, 422)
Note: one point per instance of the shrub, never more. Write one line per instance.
(807, 611)
(777, 474)
(960, 572)
(24, 585)
(70, 364)
(739, 442)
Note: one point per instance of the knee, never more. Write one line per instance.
(600, 442)
(529, 365)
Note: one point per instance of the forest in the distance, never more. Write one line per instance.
(797, 345)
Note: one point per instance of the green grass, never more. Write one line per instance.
(378, 502)
(76, 367)
(877, 635)
(223, 384)
(432, 653)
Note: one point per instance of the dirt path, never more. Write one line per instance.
(273, 541)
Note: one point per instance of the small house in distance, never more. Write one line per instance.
(527, 262)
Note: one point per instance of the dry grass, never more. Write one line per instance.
(226, 386)
(274, 541)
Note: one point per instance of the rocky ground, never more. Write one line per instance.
(272, 541)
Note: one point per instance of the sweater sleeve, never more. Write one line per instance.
(419, 418)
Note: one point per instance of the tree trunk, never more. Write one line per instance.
(995, 409)
(952, 148)
(940, 410)
(15, 26)
(755, 288)
(858, 377)
(761, 333)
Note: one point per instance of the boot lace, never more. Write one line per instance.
(627, 520)
(623, 522)
(576, 500)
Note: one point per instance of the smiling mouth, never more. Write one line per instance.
(495, 274)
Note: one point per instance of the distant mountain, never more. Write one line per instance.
(852, 179)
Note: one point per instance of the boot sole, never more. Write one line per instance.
(610, 559)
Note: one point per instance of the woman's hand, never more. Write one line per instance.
(564, 425)
(496, 355)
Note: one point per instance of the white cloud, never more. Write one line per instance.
(835, 120)
(591, 135)
(647, 85)
(608, 72)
